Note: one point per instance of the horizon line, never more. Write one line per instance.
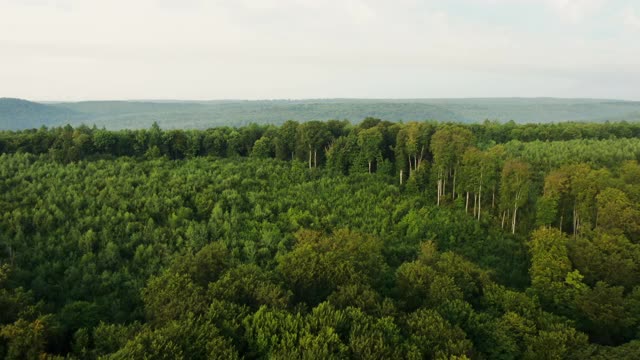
(186, 100)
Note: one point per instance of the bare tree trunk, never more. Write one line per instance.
(309, 158)
(444, 186)
(560, 226)
(409, 165)
(515, 214)
(369, 166)
(575, 221)
(315, 158)
(504, 212)
(440, 185)
(400, 176)
(479, 200)
(466, 208)
(493, 199)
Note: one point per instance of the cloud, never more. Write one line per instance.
(571, 11)
(575, 11)
(630, 18)
(301, 48)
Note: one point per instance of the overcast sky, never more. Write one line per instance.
(275, 49)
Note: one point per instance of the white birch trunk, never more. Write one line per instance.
(479, 201)
(515, 214)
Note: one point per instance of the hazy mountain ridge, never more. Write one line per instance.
(22, 114)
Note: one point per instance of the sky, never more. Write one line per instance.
(294, 49)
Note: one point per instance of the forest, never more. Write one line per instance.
(321, 240)
(17, 114)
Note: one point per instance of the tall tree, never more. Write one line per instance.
(369, 141)
(285, 140)
(448, 144)
(477, 174)
(514, 188)
(412, 144)
(552, 276)
(616, 214)
(312, 137)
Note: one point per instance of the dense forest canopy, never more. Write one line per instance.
(381, 240)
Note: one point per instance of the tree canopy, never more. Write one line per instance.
(321, 240)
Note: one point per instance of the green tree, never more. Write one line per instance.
(515, 184)
(617, 214)
(433, 337)
(448, 145)
(553, 278)
(263, 148)
(318, 263)
(285, 140)
(172, 296)
(369, 141)
(312, 136)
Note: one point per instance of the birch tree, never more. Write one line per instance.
(514, 189)
(448, 144)
(369, 141)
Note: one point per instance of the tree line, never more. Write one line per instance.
(292, 140)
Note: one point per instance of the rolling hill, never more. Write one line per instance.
(22, 114)
(18, 114)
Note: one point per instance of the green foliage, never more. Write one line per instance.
(265, 242)
(318, 264)
(431, 336)
(26, 339)
(191, 338)
(552, 277)
(172, 296)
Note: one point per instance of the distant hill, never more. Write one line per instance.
(20, 114)
(122, 114)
